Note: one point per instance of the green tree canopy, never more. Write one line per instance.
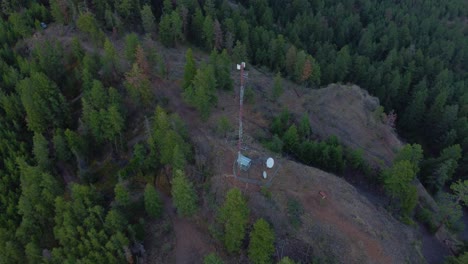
(44, 104)
(190, 69)
(131, 44)
(183, 194)
(202, 92)
(277, 87)
(261, 246)
(398, 183)
(147, 19)
(234, 215)
(153, 204)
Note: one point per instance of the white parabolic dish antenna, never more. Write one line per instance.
(270, 162)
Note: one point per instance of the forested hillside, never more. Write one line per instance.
(85, 138)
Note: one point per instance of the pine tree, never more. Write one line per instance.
(460, 190)
(277, 87)
(60, 11)
(147, 19)
(222, 69)
(122, 196)
(398, 183)
(176, 27)
(165, 34)
(414, 112)
(412, 153)
(342, 64)
(131, 44)
(41, 151)
(239, 53)
(291, 139)
(138, 86)
(208, 33)
(234, 215)
(189, 69)
(62, 152)
(197, 27)
(183, 194)
(44, 104)
(218, 35)
(153, 204)
(261, 246)
(109, 61)
(304, 130)
(202, 92)
(88, 24)
(141, 61)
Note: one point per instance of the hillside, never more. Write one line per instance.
(120, 135)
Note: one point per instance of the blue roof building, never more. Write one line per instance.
(244, 162)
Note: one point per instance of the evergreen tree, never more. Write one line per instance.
(261, 246)
(304, 130)
(138, 86)
(412, 153)
(234, 215)
(208, 33)
(170, 29)
(165, 34)
(122, 196)
(62, 152)
(189, 69)
(60, 11)
(109, 61)
(414, 112)
(398, 183)
(44, 104)
(291, 58)
(178, 158)
(291, 139)
(183, 194)
(218, 35)
(147, 19)
(153, 204)
(224, 126)
(222, 69)
(239, 53)
(131, 44)
(176, 27)
(450, 211)
(201, 93)
(277, 87)
(35, 205)
(41, 151)
(88, 24)
(342, 64)
(197, 27)
(142, 61)
(460, 190)
(104, 238)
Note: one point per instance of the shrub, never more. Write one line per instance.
(295, 211)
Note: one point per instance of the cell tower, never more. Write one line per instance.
(242, 161)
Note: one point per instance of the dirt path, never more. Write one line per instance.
(191, 244)
(328, 213)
